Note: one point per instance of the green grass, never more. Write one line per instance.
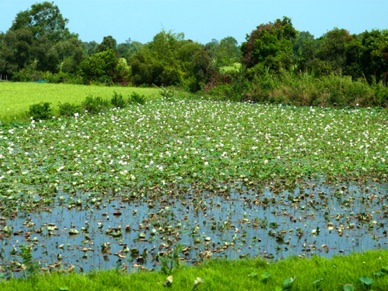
(16, 98)
(251, 274)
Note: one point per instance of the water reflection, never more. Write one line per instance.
(87, 233)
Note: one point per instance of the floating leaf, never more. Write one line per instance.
(265, 276)
(287, 284)
(366, 280)
(378, 274)
(253, 275)
(73, 231)
(348, 287)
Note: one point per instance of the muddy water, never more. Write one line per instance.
(87, 233)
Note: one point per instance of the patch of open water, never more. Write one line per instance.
(91, 233)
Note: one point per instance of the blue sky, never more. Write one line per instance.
(204, 20)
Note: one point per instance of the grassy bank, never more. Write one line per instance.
(364, 271)
(16, 98)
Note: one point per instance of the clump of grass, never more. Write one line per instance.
(118, 100)
(32, 267)
(67, 109)
(136, 98)
(94, 105)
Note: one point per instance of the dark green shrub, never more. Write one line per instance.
(67, 109)
(94, 105)
(136, 98)
(40, 111)
(118, 100)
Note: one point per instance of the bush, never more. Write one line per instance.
(118, 100)
(136, 98)
(308, 90)
(167, 93)
(380, 95)
(94, 105)
(67, 109)
(40, 111)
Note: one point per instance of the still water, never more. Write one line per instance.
(88, 233)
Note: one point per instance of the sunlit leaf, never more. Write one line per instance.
(287, 284)
(253, 275)
(265, 276)
(348, 287)
(366, 280)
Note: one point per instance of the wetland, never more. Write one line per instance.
(130, 188)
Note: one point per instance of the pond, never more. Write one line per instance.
(88, 233)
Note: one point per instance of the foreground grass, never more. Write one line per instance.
(363, 271)
(16, 98)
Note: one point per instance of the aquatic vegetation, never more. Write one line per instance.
(175, 146)
(129, 187)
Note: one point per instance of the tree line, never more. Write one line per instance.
(39, 46)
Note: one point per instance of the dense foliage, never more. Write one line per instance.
(39, 46)
(195, 143)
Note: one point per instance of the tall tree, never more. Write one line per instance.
(43, 20)
(99, 67)
(333, 49)
(34, 38)
(374, 54)
(169, 59)
(305, 50)
(270, 46)
(228, 51)
(108, 43)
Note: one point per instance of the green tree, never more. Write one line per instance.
(156, 63)
(34, 40)
(108, 43)
(270, 46)
(43, 20)
(212, 48)
(305, 51)
(168, 60)
(90, 47)
(333, 50)
(228, 52)
(100, 67)
(373, 54)
(16, 50)
(128, 48)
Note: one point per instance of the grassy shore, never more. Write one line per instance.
(362, 271)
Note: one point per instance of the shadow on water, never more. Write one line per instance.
(88, 233)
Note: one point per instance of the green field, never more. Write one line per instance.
(15, 98)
